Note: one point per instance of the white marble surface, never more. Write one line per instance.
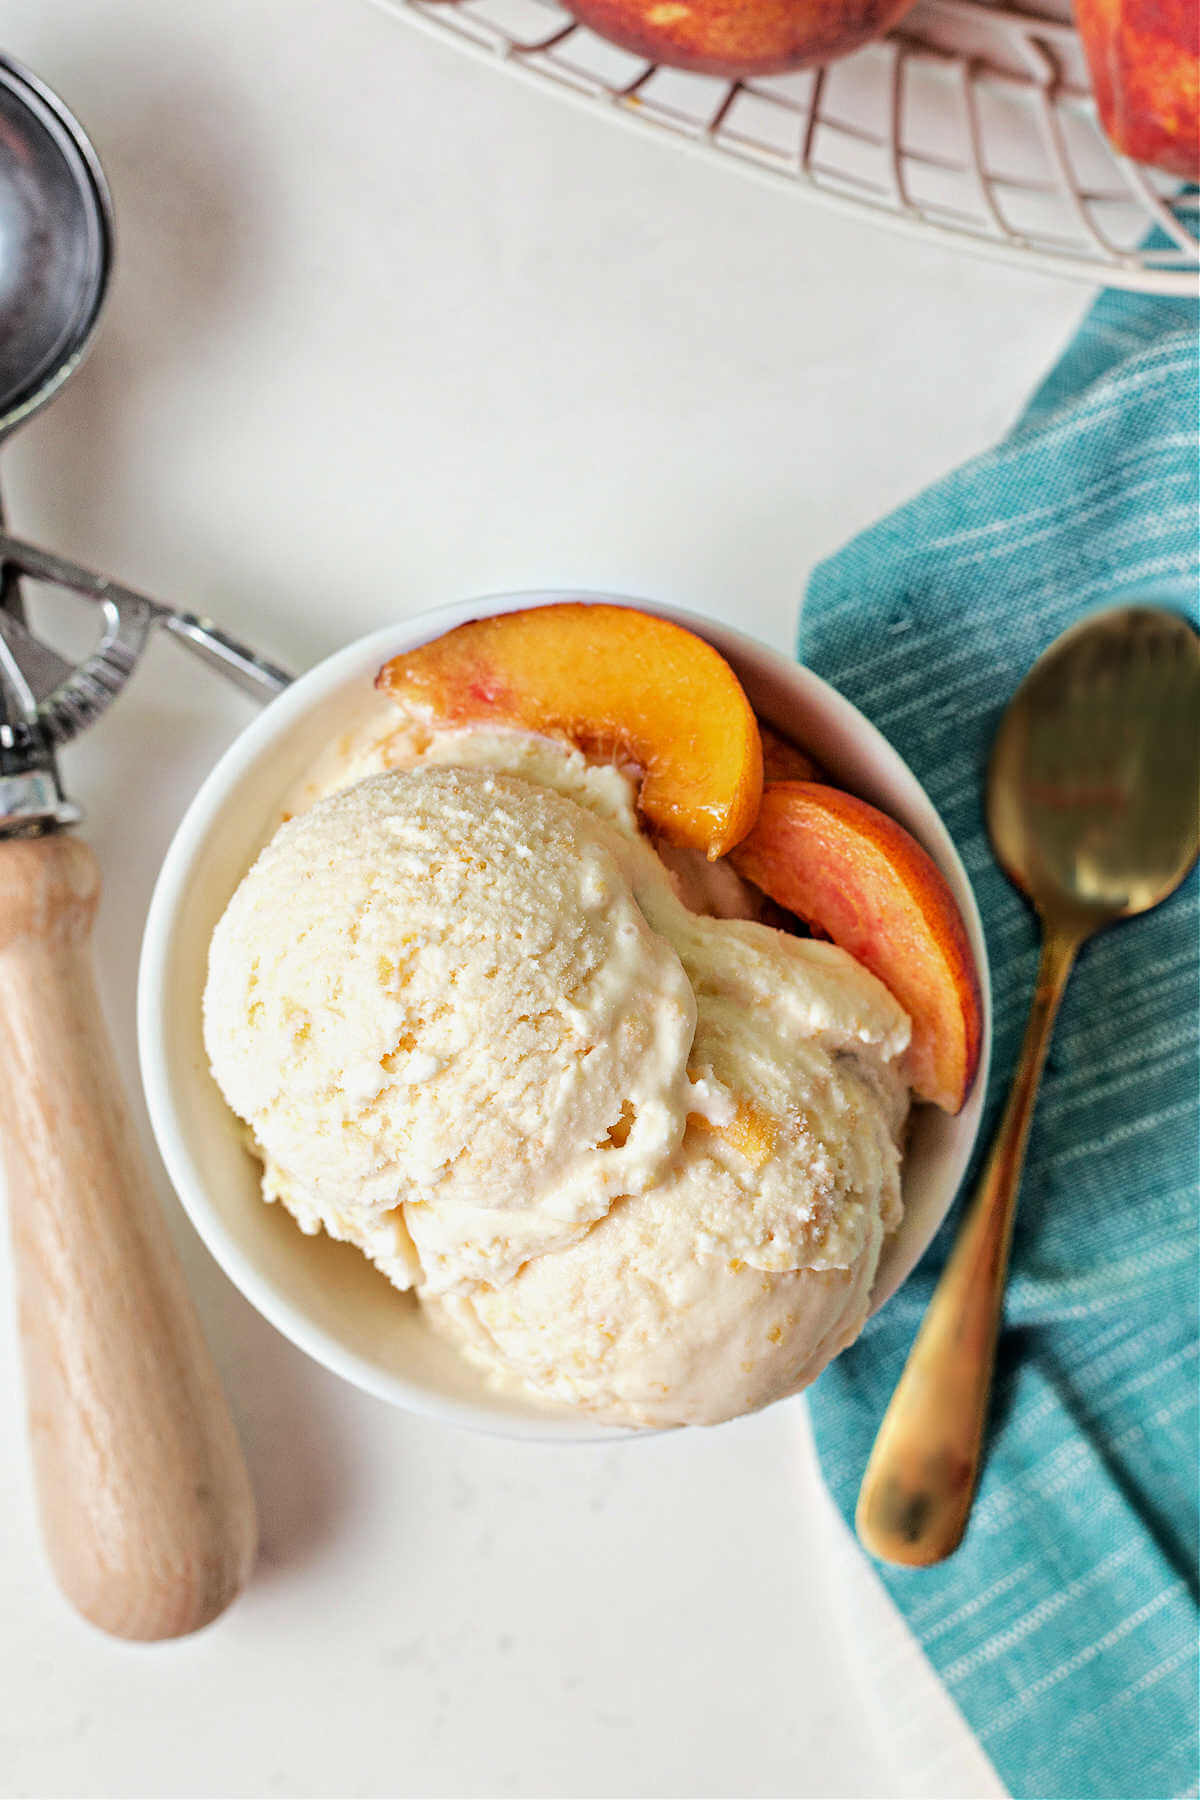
(389, 328)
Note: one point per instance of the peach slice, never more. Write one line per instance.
(853, 873)
(618, 683)
(785, 761)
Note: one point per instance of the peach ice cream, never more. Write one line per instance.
(634, 1150)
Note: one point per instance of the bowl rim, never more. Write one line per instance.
(281, 716)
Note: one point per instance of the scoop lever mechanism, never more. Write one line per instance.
(81, 694)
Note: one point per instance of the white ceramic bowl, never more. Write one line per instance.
(325, 1296)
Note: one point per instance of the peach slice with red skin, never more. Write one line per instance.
(785, 761)
(617, 682)
(853, 873)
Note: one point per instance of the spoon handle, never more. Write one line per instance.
(920, 1481)
(145, 1502)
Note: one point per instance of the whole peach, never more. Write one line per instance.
(737, 38)
(1144, 57)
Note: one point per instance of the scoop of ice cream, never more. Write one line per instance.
(749, 1264)
(435, 991)
(694, 1339)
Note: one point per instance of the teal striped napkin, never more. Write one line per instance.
(1066, 1626)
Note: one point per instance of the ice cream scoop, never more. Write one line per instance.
(438, 1005)
(732, 1280)
(146, 1507)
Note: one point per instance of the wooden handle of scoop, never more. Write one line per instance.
(146, 1505)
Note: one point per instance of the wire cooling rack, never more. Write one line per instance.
(970, 123)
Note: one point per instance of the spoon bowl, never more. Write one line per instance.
(1095, 770)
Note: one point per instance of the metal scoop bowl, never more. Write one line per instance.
(56, 244)
(146, 1505)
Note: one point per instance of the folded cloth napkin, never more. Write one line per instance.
(1065, 1627)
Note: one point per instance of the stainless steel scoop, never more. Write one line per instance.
(56, 242)
(146, 1505)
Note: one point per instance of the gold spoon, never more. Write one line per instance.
(1093, 807)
